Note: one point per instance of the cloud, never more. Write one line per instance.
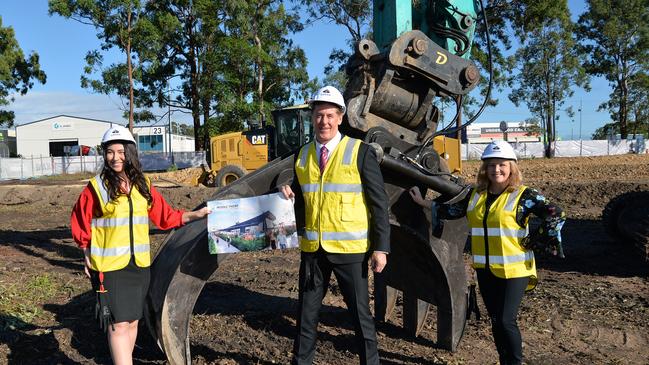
(37, 105)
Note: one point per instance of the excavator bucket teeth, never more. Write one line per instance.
(385, 299)
(427, 270)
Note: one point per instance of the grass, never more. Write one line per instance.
(67, 177)
(21, 301)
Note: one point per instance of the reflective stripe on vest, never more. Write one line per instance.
(116, 222)
(504, 232)
(110, 245)
(118, 251)
(335, 210)
(512, 259)
(333, 188)
(506, 257)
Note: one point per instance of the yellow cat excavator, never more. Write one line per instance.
(419, 55)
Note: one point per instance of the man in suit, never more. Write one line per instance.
(339, 188)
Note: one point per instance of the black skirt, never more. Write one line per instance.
(127, 289)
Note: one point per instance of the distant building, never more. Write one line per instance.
(156, 139)
(7, 143)
(487, 132)
(256, 225)
(64, 134)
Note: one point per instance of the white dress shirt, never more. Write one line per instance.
(331, 145)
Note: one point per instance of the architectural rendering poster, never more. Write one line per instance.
(264, 222)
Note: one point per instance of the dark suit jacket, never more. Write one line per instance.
(377, 202)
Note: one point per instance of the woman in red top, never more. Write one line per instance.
(110, 224)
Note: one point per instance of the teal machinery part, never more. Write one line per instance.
(419, 53)
(450, 24)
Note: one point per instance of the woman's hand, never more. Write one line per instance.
(196, 214)
(86, 261)
(415, 194)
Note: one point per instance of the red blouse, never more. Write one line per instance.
(160, 213)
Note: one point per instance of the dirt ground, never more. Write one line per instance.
(590, 308)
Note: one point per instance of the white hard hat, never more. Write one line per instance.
(499, 149)
(329, 94)
(117, 133)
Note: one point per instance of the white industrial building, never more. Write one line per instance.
(56, 135)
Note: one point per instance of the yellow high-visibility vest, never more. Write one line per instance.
(336, 214)
(122, 230)
(496, 242)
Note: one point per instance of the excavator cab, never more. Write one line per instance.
(293, 128)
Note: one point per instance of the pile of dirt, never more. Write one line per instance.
(185, 177)
(591, 308)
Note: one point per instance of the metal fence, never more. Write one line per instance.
(31, 167)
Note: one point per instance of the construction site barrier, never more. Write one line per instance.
(473, 151)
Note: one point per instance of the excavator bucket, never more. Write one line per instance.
(425, 264)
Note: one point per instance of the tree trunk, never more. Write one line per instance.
(206, 118)
(624, 96)
(549, 147)
(260, 70)
(130, 73)
(193, 86)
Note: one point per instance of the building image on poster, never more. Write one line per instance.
(264, 222)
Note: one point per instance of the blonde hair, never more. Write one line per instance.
(514, 181)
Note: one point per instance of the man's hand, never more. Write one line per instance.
(287, 191)
(378, 261)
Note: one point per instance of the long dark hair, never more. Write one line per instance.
(132, 168)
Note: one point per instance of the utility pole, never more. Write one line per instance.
(580, 139)
(572, 130)
(169, 123)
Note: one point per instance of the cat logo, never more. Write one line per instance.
(441, 58)
(260, 139)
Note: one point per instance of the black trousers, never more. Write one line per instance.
(502, 297)
(315, 273)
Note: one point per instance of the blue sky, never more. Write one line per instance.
(62, 45)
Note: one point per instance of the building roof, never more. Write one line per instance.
(251, 222)
(67, 116)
